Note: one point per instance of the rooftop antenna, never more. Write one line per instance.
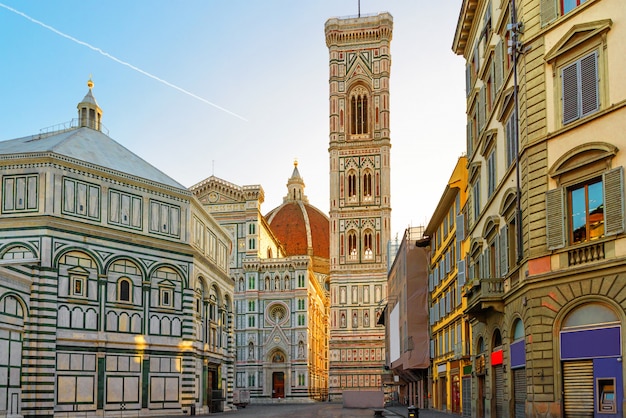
(212, 167)
(359, 1)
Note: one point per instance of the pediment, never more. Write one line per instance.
(577, 35)
(583, 155)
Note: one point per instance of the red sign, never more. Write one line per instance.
(496, 358)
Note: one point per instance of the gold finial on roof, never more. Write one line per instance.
(90, 83)
(295, 162)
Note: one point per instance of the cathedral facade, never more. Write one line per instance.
(114, 288)
(360, 207)
(279, 265)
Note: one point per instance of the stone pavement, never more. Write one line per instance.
(323, 409)
(402, 411)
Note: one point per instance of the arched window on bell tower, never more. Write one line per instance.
(352, 197)
(367, 187)
(368, 249)
(359, 111)
(352, 246)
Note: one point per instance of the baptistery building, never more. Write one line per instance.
(114, 288)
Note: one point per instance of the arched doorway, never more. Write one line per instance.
(278, 377)
(497, 394)
(590, 351)
(518, 368)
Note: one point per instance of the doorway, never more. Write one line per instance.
(278, 385)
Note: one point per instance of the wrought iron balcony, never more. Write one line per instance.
(483, 295)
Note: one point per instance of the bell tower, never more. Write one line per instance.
(360, 208)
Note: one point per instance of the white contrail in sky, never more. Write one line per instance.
(106, 54)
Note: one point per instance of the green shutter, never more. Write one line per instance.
(498, 63)
(549, 11)
(613, 182)
(504, 250)
(555, 222)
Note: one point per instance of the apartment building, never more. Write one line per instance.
(546, 109)
(450, 333)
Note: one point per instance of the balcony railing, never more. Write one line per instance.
(585, 254)
(484, 294)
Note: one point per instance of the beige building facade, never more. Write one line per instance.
(545, 218)
(360, 207)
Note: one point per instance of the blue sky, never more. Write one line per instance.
(255, 81)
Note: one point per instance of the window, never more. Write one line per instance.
(164, 218)
(166, 297)
(251, 306)
(124, 290)
(300, 280)
(552, 9)
(352, 187)
(569, 5)
(251, 283)
(78, 286)
(476, 198)
(580, 95)
(251, 322)
(367, 187)
(301, 320)
(352, 251)
(594, 209)
(358, 111)
(368, 254)
(301, 304)
(586, 214)
(491, 173)
(19, 193)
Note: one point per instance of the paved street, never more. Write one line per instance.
(323, 409)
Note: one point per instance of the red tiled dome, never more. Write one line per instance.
(302, 228)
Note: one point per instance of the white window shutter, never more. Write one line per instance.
(555, 219)
(613, 183)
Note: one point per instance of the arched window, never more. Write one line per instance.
(124, 290)
(367, 187)
(589, 315)
(358, 111)
(352, 251)
(368, 253)
(352, 187)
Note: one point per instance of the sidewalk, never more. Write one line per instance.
(402, 411)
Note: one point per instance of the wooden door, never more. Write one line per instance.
(278, 385)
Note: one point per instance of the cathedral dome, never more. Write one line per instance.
(299, 226)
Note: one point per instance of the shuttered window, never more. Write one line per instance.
(579, 82)
(612, 183)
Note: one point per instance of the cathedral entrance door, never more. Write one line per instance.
(278, 385)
